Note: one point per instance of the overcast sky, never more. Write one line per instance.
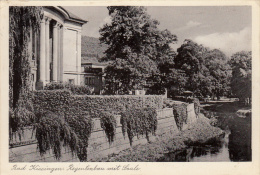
(227, 28)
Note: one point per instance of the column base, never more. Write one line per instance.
(39, 85)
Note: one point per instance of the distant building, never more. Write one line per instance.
(93, 75)
(56, 49)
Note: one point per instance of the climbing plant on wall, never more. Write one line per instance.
(21, 21)
(108, 124)
(71, 130)
(136, 122)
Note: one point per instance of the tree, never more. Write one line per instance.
(241, 80)
(219, 70)
(21, 21)
(161, 80)
(190, 59)
(206, 70)
(135, 46)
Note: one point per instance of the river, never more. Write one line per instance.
(234, 146)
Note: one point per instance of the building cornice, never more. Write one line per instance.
(68, 16)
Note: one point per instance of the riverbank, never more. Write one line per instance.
(235, 118)
(200, 132)
(225, 106)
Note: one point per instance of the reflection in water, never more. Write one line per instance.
(214, 153)
(208, 153)
(234, 146)
(240, 139)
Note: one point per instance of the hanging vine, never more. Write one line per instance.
(180, 114)
(51, 131)
(21, 21)
(108, 123)
(142, 121)
(82, 127)
(71, 130)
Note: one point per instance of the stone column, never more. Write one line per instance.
(42, 55)
(58, 52)
(55, 52)
(78, 56)
(61, 52)
(47, 37)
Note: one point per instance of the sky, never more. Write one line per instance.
(227, 28)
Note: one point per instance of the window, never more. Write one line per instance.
(86, 81)
(89, 80)
(92, 81)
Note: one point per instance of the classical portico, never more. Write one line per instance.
(59, 47)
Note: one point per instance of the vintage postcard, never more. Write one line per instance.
(130, 87)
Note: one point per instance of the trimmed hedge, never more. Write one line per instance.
(61, 101)
(56, 101)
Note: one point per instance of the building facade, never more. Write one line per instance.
(56, 49)
(93, 76)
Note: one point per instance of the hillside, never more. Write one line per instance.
(91, 49)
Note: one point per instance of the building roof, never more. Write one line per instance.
(86, 59)
(67, 14)
(73, 16)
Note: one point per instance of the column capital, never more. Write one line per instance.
(47, 20)
(57, 24)
(43, 20)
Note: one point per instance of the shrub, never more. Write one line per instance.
(75, 89)
(22, 115)
(54, 86)
(141, 121)
(108, 123)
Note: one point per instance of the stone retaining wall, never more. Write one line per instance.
(98, 143)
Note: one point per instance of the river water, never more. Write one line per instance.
(234, 146)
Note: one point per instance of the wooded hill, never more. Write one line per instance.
(91, 48)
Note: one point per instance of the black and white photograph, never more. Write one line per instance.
(129, 83)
